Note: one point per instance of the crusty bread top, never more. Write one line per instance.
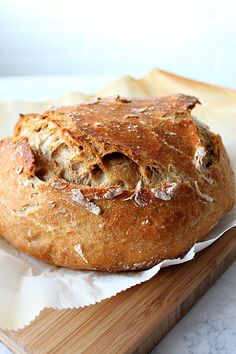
(121, 142)
(113, 184)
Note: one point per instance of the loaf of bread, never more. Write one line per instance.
(113, 184)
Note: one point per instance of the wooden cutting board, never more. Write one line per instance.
(134, 320)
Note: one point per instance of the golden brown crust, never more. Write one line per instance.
(113, 184)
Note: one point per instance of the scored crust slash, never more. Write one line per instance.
(113, 184)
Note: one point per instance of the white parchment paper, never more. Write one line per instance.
(27, 286)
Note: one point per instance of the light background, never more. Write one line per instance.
(114, 38)
(107, 39)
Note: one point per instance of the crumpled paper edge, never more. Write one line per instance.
(135, 278)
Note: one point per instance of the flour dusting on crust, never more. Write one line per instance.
(165, 193)
(58, 184)
(78, 197)
(202, 195)
(199, 155)
(114, 192)
(137, 195)
(78, 249)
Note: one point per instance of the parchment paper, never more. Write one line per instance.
(27, 286)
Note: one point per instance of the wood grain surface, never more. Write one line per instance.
(134, 320)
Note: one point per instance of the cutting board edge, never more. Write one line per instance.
(12, 343)
(154, 338)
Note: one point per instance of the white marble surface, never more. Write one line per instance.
(210, 327)
(4, 350)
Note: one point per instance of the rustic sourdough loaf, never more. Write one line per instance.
(113, 184)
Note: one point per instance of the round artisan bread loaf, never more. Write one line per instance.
(113, 184)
